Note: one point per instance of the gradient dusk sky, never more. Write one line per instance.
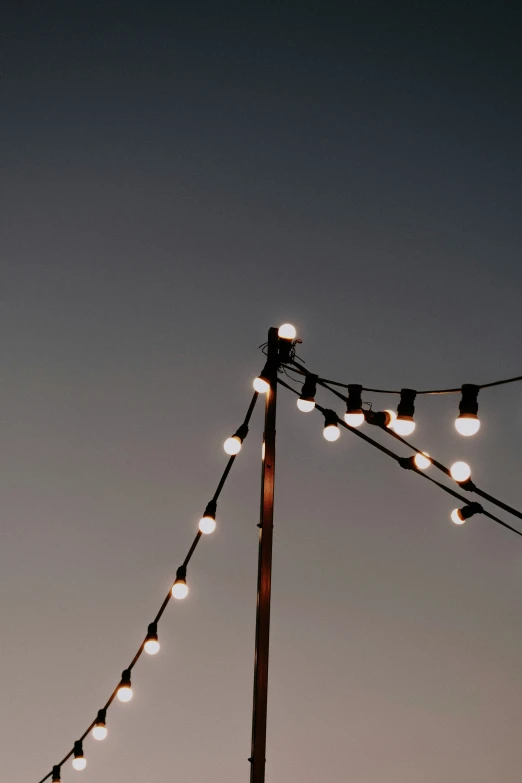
(177, 178)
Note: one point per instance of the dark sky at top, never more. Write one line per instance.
(175, 179)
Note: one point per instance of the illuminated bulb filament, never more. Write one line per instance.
(125, 693)
(79, 763)
(331, 432)
(354, 419)
(207, 525)
(467, 425)
(152, 646)
(403, 427)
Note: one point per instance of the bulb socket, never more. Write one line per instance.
(101, 718)
(470, 510)
(406, 406)
(309, 389)
(181, 574)
(330, 418)
(354, 403)
(152, 633)
(468, 406)
(56, 774)
(210, 509)
(78, 749)
(126, 678)
(241, 432)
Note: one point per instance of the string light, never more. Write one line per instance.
(125, 687)
(331, 428)
(404, 423)
(460, 515)
(152, 645)
(306, 400)
(460, 472)
(467, 423)
(287, 332)
(354, 415)
(207, 523)
(262, 382)
(180, 587)
(233, 444)
(99, 731)
(79, 760)
(56, 774)
(422, 460)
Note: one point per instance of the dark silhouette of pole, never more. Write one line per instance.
(264, 574)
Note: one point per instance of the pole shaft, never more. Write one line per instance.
(264, 575)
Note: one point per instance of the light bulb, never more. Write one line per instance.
(403, 427)
(125, 693)
(152, 646)
(422, 460)
(467, 424)
(261, 385)
(331, 432)
(207, 525)
(232, 445)
(287, 332)
(460, 471)
(391, 417)
(305, 405)
(457, 517)
(99, 732)
(354, 419)
(179, 590)
(79, 763)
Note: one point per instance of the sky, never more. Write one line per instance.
(176, 179)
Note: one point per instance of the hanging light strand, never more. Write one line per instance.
(373, 418)
(457, 390)
(402, 461)
(125, 681)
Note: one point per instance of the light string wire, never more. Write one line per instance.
(167, 598)
(400, 461)
(302, 371)
(468, 485)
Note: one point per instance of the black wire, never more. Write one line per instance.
(427, 391)
(469, 485)
(167, 597)
(399, 459)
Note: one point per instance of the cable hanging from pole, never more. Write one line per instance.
(150, 644)
(332, 422)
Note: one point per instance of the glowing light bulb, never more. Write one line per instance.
(422, 461)
(354, 419)
(180, 587)
(152, 646)
(460, 471)
(467, 424)
(207, 525)
(99, 732)
(305, 405)
(287, 332)
(232, 445)
(125, 693)
(457, 517)
(261, 385)
(125, 689)
(403, 426)
(390, 419)
(79, 761)
(331, 432)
